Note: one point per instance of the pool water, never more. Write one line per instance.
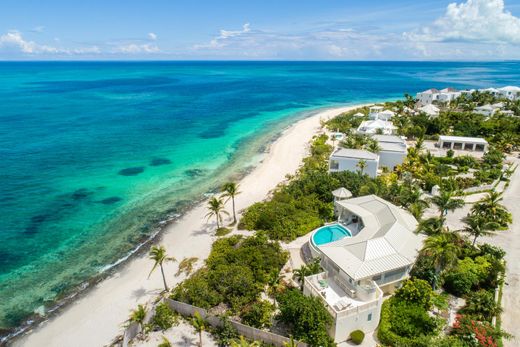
(330, 233)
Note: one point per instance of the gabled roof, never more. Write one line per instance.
(354, 153)
(430, 91)
(430, 109)
(386, 242)
(449, 90)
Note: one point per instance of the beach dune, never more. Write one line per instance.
(96, 318)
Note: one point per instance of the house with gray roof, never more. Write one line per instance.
(369, 251)
(347, 159)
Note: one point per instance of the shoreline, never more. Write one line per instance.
(104, 304)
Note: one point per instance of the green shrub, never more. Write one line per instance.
(164, 317)
(357, 337)
(467, 275)
(222, 231)
(306, 316)
(481, 305)
(258, 314)
(416, 291)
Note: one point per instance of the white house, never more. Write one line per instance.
(476, 144)
(510, 92)
(376, 126)
(430, 110)
(393, 150)
(486, 110)
(434, 95)
(368, 252)
(492, 91)
(346, 159)
(377, 112)
(359, 115)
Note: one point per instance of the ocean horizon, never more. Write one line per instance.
(99, 155)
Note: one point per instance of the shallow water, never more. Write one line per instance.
(94, 155)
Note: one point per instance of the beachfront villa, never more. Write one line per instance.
(488, 110)
(377, 126)
(510, 92)
(476, 144)
(393, 150)
(430, 110)
(378, 112)
(346, 159)
(367, 253)
(445, 95)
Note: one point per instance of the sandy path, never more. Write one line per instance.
(96, 318)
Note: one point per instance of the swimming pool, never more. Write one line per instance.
(330, 233)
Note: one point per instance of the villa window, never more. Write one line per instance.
(334, 165)
(369, 317)
(479, 148)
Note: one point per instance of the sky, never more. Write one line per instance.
(260, 30)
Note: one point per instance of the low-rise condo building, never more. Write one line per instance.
(346, 159)
(369, 251)
(430, 96)
(378, 112)
(510, 92)
(476, 144)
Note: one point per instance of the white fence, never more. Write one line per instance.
(189, 310)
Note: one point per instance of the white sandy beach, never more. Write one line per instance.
(97, 317)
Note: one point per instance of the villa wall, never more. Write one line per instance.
(391, 159)
(357, 319)
(350, 164)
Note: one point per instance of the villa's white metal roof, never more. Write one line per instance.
(386, 242)
(354, 153)
(388, 138)
(392, 147)
(478, 140)
(430, 109)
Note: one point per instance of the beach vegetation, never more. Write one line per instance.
(226, 332)
(242, 342)
(229, 192)
(164, 318)
(308, 320)
(165, 343)
(138, 315)
(199, 324)
(236, 272)
(259, 314)
(222, 231)
(186, 266)
(216, 209)
(159, 256)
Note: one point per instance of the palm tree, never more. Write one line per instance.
(430, 226)
(216, 208)
(138, 315)
(491, 208)
(159, 256)
(373, 146)
(477, 225)
(230, 190)
(244, 343)
(362, 164)
(446, 201)
(443, 251)
(199, 324)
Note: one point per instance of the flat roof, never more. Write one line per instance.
(387, 241)
(388, 138)
(355, 153)
(392, 147)
(462, 139)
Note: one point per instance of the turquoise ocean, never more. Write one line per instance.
(96, 156)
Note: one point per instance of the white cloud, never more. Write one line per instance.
(13, 41)
(221, 40)
(472, 21)
(152, 36)
(134, 48)
(38, 29)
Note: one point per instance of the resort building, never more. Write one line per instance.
(378, 112)
(368, 252)
(393, 150)
(434, 95)
(346, 159)
(510, 92)
(430, 110)
(476, 144)
(488, 110)
(377, 126)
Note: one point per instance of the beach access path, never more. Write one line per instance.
(99, 315)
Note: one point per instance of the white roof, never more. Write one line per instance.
(463, 139)
(377, 124)
(510, 89)
(388, 138)
(449, 90)
(342, 193)
(430, 109)
(392, 147)
(387, 241)
(387, 112)
(359, 114)
(485, 108)
(430, 91)
(354, 153)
